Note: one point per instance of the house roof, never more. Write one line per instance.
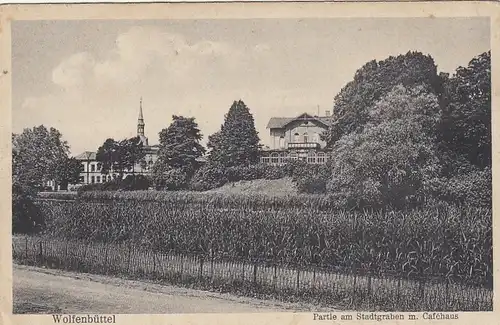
(281, 122)
(86, 155)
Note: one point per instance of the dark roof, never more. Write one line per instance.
(281, 122)
(86, 155)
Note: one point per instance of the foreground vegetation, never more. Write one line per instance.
(320, 286)
(444, 241)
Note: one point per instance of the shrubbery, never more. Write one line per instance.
(129, 183)
(309, 178)
(473, 189)
(26, 216)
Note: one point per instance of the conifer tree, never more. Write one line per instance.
(237, 142)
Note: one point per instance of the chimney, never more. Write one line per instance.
(327, 113)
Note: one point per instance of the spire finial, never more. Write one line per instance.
(140, 109)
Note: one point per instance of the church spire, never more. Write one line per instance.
(140, 121)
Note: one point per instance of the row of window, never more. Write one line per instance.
(97, 179)
(93, 167)
(311, 158)
(297, 138)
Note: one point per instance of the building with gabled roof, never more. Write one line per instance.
(297, 138)
(91, 171)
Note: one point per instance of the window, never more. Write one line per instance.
(98, 179)
(92, 168)
(103, 178)
(296, 137)
(315, 138)
(321, 158)
(109, 178)
(294, 156)
(264, 160)
(306, 138)
(282, 142)
(311, 157)
(92, 179)
(275, 158)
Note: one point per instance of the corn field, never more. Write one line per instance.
(453, 243)
(309, 283)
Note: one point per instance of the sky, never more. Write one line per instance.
(86, 78)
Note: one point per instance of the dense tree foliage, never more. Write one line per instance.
(465, 128)
(179, 150)
(394, 159)
(373, 81)
(37, 155)
(120, 156)
(237, 142)
(68, 172)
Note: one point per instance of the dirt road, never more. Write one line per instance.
(44, 291)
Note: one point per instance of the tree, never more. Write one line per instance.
(373, 81)
(68, 172)
(36, 155)
(120, 156)
(394, 159)
(179, 149)
(237, 142)
(465, 127)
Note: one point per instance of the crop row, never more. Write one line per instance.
(448, 242)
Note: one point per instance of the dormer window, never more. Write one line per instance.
(296, 137)
(306, 138)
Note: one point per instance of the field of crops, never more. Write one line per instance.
(313, 284)
(453, 243)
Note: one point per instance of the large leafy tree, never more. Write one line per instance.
(120, 156)
(38, 153)
(394, 159)
(179, 147)
(373, 81)
(68, 172)
(465, 128)
(37, 156)
(237, 142)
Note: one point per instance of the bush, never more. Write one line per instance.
(174, 179)
(26, 216)
(213, 176)
(129, 183)
(208, 177)
(473, 189)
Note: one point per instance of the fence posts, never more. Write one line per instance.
(369, 291)
(255, 272)
(106, 259)
(201, 267)
(26, 247)
(41, 252)
(446, 295)
(243, 273)
(275, 278)
(298, 279)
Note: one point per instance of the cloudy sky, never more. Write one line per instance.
(85, 78)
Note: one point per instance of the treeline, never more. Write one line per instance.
(404, 136)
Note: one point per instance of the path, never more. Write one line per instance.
(37, 290)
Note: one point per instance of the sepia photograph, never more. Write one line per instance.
(219, 165)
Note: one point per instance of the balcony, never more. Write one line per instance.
(303, 145)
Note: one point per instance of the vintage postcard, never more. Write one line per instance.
(242, 163)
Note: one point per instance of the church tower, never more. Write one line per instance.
(140, 126)
(140, 122)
